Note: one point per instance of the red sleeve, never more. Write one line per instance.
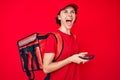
(50, 46)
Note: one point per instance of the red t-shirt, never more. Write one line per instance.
(70, 71)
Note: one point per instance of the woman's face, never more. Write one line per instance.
(67, 17)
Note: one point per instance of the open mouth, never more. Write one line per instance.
(69, 22)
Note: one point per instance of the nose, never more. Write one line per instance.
(70, 14)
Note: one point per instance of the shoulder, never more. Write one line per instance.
(55, 35)
(51, 37)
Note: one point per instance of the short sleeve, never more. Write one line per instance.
(50, 46)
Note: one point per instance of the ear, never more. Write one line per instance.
(59, 18)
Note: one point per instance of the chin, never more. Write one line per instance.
(69, 27)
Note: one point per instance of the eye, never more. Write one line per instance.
(73, 11)
(65, 11)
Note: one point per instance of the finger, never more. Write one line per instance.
(83, 62)
(85, 52)
(82, 54)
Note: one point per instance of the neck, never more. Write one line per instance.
(64, 30)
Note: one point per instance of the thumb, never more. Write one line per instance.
(82, 54)
(85, 52)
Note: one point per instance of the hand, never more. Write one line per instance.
(82, 54)
(76, 58)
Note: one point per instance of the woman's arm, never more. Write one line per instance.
(50, 66)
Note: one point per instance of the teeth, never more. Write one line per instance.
(68, 20)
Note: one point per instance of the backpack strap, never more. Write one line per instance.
(60, 45)
(59, 41)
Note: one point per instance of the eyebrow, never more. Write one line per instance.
(71, 9)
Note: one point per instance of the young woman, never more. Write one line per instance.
(67, 65)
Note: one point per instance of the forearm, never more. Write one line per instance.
(53, 66)
(50, 66)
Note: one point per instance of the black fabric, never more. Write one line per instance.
(31, 75)
(43, 37)
(47, 77)
(30, 49)
(24, 56)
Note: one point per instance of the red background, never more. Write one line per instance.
(97, 27)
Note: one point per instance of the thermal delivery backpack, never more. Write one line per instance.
(31, 49)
